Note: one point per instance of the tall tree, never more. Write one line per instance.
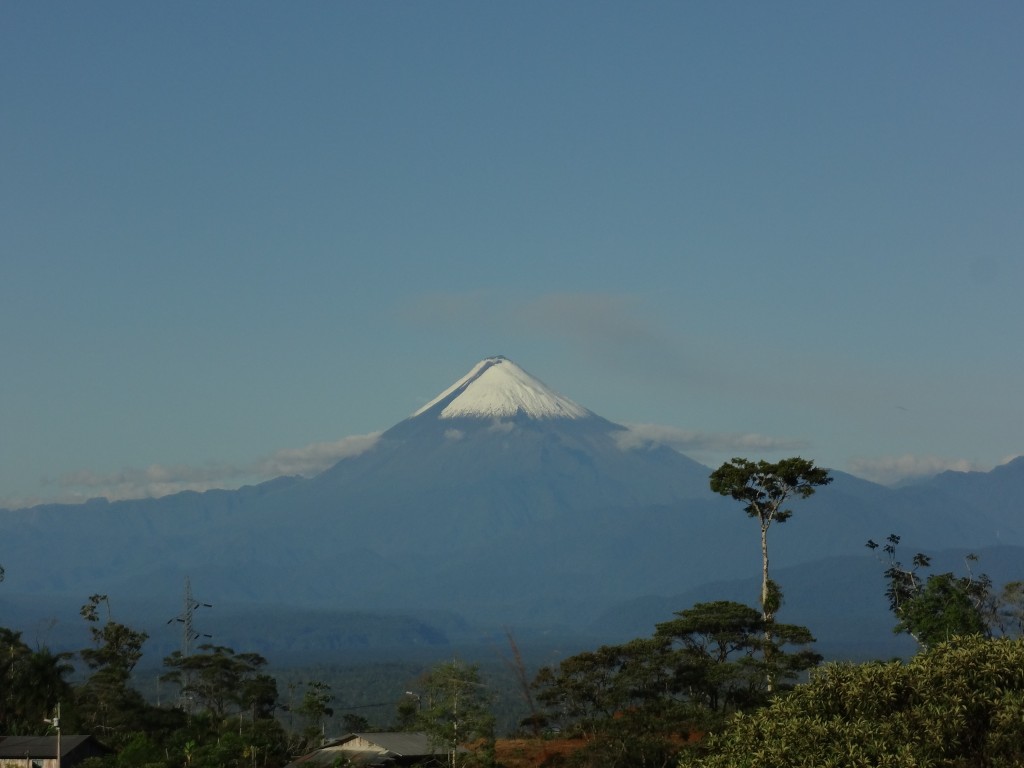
(107, 702)
(934, 608)
(314, 710)
(115, 646)
(456, 713)
(764, 488)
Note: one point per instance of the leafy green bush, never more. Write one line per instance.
(959, 704)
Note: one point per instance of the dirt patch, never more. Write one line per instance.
(533, 753)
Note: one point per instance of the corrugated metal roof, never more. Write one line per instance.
(402, 743)
(384, 748)
(38, 746)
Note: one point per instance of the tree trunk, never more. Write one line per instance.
(767, 612)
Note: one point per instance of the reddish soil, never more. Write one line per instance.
(533, 753)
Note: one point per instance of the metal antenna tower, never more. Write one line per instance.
(188, 631)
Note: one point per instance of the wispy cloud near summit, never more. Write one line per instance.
(706, 447)
(316, 457)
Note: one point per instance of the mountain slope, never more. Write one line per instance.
(500, 500)
(494, 453)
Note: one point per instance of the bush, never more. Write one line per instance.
(959, 704)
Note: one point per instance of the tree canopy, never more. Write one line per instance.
(220, 680)
(937, 607)
(34, 682)
(958, 704)
(636, 701)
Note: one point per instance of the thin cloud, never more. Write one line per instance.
(316, 457)
(161, 480)
(616, 332)
(704, 446)
(501, 427)
(590, 319)
(892, 469)
(147, 482)
(643, 435)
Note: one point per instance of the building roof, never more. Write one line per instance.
(20, 747)
(369, 749)
(405, 744)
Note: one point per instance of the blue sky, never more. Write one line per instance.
(236, 237)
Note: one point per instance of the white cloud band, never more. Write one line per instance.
(700, 445)
(161, 480)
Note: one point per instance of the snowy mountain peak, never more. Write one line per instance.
(498, 388)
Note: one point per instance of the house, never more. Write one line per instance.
(394, 748)
(41, 751)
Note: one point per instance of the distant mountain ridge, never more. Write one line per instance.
(500, 501)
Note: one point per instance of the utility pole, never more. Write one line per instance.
(55, 722)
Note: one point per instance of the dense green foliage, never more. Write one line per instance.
(224, 717)
(719, 660)
(764, 487)
(220, 681)
(939, 606)
(637, 700)
(959, 704)
(33, 682)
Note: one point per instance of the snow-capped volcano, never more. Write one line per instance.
(498, 388)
